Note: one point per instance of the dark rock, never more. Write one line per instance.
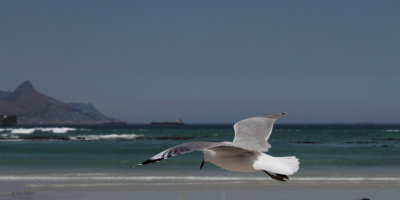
(361, 142)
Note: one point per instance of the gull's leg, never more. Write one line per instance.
(279, 177)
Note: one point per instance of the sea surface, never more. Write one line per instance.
(329, 152)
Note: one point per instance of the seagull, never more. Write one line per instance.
(244, 154)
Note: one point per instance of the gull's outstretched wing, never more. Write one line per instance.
(181, 149)
(253, 133)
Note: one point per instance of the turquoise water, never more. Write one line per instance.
(97, 151)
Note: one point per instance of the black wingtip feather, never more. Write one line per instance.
(151, 161)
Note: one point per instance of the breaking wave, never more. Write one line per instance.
(106, 137)
(392, 130)
(32, 130)
(8, 137)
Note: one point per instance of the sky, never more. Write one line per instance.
(209, 61)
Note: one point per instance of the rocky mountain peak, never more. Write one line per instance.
(25, 86)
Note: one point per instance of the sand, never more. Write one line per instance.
(197, 190)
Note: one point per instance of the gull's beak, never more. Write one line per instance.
(202, 164)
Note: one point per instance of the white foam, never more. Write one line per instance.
(106, 137)
(195, 178)
(32, 130)
(392, 130)
(58, 130)
(9, 136)
(22, 130)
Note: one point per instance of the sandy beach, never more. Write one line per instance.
(133, 189)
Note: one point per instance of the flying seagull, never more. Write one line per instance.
(244, 154)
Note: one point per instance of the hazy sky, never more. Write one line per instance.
(209, 61)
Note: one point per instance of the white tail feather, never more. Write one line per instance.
(280, 165)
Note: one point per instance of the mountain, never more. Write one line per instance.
(85, 107)
(33, 107)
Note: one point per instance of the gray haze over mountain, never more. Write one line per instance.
(4, 94)
(209, 61)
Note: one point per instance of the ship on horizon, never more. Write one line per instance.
(178, 122)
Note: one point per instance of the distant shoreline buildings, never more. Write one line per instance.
(8, 120)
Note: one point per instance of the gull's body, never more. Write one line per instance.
(237, 162)
(244, 154)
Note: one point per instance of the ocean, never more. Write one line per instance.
(326, 152)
